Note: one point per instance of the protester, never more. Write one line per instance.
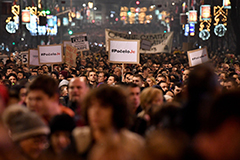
(43, 98)
(60, 138)
(28, 131)
(106, 111)
(162, 99)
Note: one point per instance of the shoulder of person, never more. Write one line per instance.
(133, 137)
(83, 138)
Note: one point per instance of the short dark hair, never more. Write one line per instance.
(116, 78)
(225, 106)
(178, 84)
(127, 74)
(233, 80)
(12, 74)
(132, 85)
(139, 76)
(44, 83)
(21, 72)
(144, 68)
(113, 97)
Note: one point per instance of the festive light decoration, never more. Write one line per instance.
(204, 34)
(220, 15)
(226, 4)
(205, 22)
(220, 30)
(192, 16)
(205, 12)
(25, 16)
(220, 18)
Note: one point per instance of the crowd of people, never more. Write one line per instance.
(160, 109)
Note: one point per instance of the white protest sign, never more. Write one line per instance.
(160, 42)
(50, 54)
(124, 51)
(198, 56)
(24, 57)
(33, 57)
(80, 41)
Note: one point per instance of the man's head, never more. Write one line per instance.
(102, 77)
(42, 95)
(40, 71)
(177, 88)
(117, 71)
(101, 63)
(45, 68)
(133, 91)
(106, 108)
(8, 71)
(128, 77)
(27, 129)
(230, 84)
(185, 75)
(61, 128)
(20, 75)
(77, 89)
(164, 86)
(112, 80)
(138, 80)
(145, 71)
(92, 76)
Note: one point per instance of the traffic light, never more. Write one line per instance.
(70, 32)
(48, 12)
(137, 2)
(13, 43)
(129, 13)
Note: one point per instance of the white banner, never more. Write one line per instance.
(50, 54)
(161, 42)
(198, 56)
(80, 41)
(33, 57)
(24, 57)
(123, 51)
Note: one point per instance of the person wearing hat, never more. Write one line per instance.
(27, 130)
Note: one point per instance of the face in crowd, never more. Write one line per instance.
(92, 76)
(134, 97)
(101, 77)
(111, 80)
(77, 89)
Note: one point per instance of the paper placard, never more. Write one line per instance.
(33, 57)
(80, 41)
(198, 56)
(122, 51)
(70, 55)
(50, 54)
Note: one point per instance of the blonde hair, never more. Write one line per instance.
(147, 96)
(153, 80)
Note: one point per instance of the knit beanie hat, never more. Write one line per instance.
(64, 73)
(64, 82)
(23, 123)
(62, 122)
